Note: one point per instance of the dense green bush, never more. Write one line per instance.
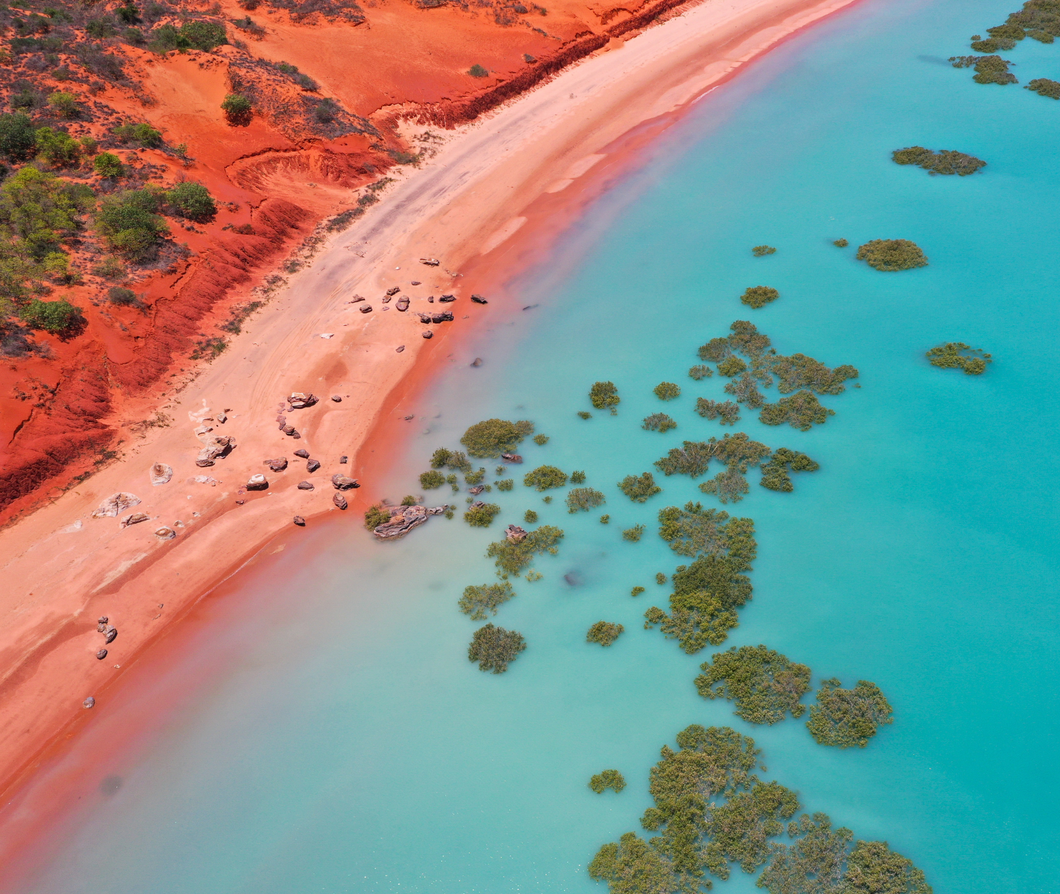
(494, 648)
(541, 440)
(890, 255)
(374, 516)
(775, 472)
(727, 411)
(604, 633)
(582, 499)
(108, 165)
(481, 516)
(700, 372)
(799, 371)
(512, 557)
(604, 395)
(431, 480)
(988, 69)
(443, 458)
(55, 317)
(142, 134)
(633, 534)
(478, 601)
(801, 410)
(848, 717)
(505, 484)
(1045, 87)
(695, 531)
(841, 243)
(130, 223)
(691, 459)
(945, 161)
(545, 478)
(958, 355)
(667, 391)
(583, 414)
(237, 109)
(608, 779)
(759, 296)
(763, 684)
(64, 104)
(659, 422)
(577, 477)
(530, 517)
(492, 437)
(193, 35)
(18, 137)
(477, 71)
(57, 148)
(731, 366)
(873, 867)
(123, 297)
(760, 251)
(639, 488)
(192, 200)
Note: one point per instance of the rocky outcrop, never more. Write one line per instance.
(340, 501)
(298, 520)
(478, 299)
(404, 518)
(165, 533)
(258, 482)
(115, 505)
(392, 291)
(302, 453)
(476, 490)
(101, 654)
(428, 334)
(214, 448)
(402, 304)
(277, 465)
(134, 519)
(344, 482)
(515, 534)
(366, 309)
(511, 458)
(299, 400)
(445, 317)
(161, 474)
(312, 465)
(305, 485)
(447, 299)
(102, 623)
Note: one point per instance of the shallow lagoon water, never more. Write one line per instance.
(350, 746)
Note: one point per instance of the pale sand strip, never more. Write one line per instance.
(56, 580)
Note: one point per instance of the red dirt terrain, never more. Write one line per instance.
(334, 87)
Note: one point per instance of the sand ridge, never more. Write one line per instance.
(65, 568)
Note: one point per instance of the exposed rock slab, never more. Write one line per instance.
(161, 474)
(404, 518)
(115, 504)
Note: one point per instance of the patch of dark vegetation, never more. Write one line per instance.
(604, 633)
(958, 355)
(891, 255)
(310, 10)
(801, 410)
(639, 488)
(845, 718)
(478, 602)
(666, 391)
(374, 516)
(760, 251)
(700, 372)
(727, 411)
(764, 685)
(431, 480)
(988, 69)
(457, 460)
(694, 531)
(944, 161)
(660, 422)
(545, 478)
(1038, 19)
(494, 648)
(481, 515)
(775, 472)
(608, 779)
(493, 437)
(513, 556)
(582, 499)
(633, 534)
(759, 296)
(1045, 87)
(841, 243)
(604, 396)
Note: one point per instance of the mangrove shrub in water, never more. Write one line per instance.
(577, 477)
(873, 866)
(478, 601)
(431, 480)
(482, 516)
(545, 478)
(639, 488)
(700, 372)
(666, 391)
(582, 499)
(945, 161)
(764, 684)
(760, 251)
(633, 534)
(775, 472)
(727, 411)
(848, 717)
(493, 437)
(608, 779)
(1045, 87)
(494, 648)
(890, 255)
(695, 531)
(659, 422)
(988, 69)
(958, 355)
(374, 516)
(604, 396)
(801, 410)
(604, 633)
(513, 556)
(814, 863)
(759, 296)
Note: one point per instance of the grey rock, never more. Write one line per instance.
(428, 334)
(165, 533)
(404, 518)
(336, 398)
(110, 634)
(392, 291)
(367, 309)
(300, 400)
(511, 458)
(101, 654)
(161, 474)
(515, 534)
(478, 299)
(278, 464)
(343, 459)
(134, 519)
(88, 702)
(477, 362)
(402, 304)
(102, 623)
(447, 299)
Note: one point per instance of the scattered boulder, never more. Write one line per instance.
(222, 418)
(430, 299)
(299, 400)
(88, 702)
(296, 435)
(277, 465)
(298, 520)
(400, 349)
(478, 299)
(204, 479)
(392, 291)
(424, 318)
(134, 519)
(215, 448)
(477, 489)
(203, 430)
(110, 634)
(101, 654)
(340, 501)
(305, 485)
(404, 518)
(387, 299)
(428, 334)
(337, 398)
(430, 262)
(282, 420)
(165, 533)
(445, 317)
(478, 504)
(258, 482)
(402, 304)
(161, 474)
(302, 452)
(343, 482)
(312, 465)
(367, 309)
(357, 299)
(289, 430)
(102, 623)
(447, 299)
(343, 459)
(511, 458)
(116, 504)
(515, 534)
(477, 362)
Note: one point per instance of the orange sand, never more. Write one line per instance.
(490, 196)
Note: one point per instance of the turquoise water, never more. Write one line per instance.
(346, 744)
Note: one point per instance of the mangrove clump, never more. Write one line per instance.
(847, 717)
(604, 633)
(633, 534)
(545, 478)
(759, 296)
(608, 779)
(763, 684)
(988, 69)
(760, 251)
(1045, 87)
(582, 499)
(604, 396)
(775, 472)
(700, 372)
(666, 391)
(481, 515)
(958, 355)
(513, 556)
(727, 411)
(477, 602)
(493, 437)
(639, 488)
(695, 531)
(659, 422)
(374, 516)
(891, 255)
(432, 480)
(801, 410)
(945, 161)
(494, 648)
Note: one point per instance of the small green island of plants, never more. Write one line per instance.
(494, 648)
(760, 251)
(582, 499)
(477, 602)
(845, 718)
(759, 296)
(764, 685)
(892, 255)
(958, 355)
(945, 161)
(604, 396)
(659, 422)
(604, 633)
(667, 390)
(492, 437)
(608, 779)
(990, 69)
(1045, 87)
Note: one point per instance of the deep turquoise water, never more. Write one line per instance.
(350, 746)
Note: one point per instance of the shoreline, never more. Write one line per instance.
(536, 148)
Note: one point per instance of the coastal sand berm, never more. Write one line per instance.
(471, 207)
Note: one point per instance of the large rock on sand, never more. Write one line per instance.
(213, 449)
(257, 482)
(161, 474)
(115, 504)
(344, 482)
(404, 518)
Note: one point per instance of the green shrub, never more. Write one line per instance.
(775, 472)
(18, 137)
(56, 317)
(695, 531)
(945, 161)
(64, 104)
(431, 480)
(57, 148)
(582, 499)
(605, 519)
(608, 779)
(143, 134)
(666, 391)
(728, 411)
(636, 591)
(958, 355)
(759, 296)
(764, 684)
(108, 165)
(494, 648)
(639, 488)
(481, 515)
(477, 71)
(604, 395)
(847, 717)
(801, 410)
(890, 255)
(130, 223)
(760, 251)
(841, 243)
(204, 35)
(660, 422)
(409, 500)
(505, 484)
(541, 440)
(1045, 87)
(530, 517)
(192, 200)
(545, 478)
(577, 477)
(660, 578)
(988, 69)
(493, 437)
(237, 109)
(512, 557)
(582, 414)
(604, 633)
(478, 601)
(374, 516)
(123, 297)
(633, 534)
(476, 477)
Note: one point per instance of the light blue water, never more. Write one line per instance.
(352, 747)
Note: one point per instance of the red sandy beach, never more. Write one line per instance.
(489, 203)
